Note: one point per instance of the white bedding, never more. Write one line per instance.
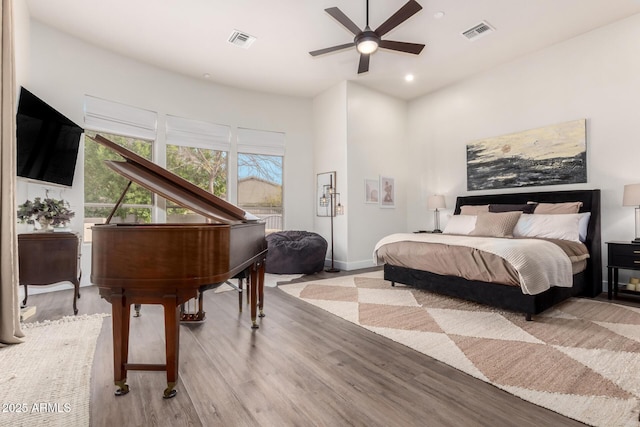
(540, 264)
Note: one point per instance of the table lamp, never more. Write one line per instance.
(436, 202)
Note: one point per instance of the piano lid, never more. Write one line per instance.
(170, 186)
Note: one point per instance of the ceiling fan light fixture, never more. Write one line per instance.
(367, 46)
(367, 41)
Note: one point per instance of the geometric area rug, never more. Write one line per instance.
(581, 358)
(45, 380)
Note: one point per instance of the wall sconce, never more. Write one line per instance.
(330, 197)
(631, 197)
(436, 202)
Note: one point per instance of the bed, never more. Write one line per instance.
(587, 282)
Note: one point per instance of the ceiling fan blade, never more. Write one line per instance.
(331, 49)
(344, 20)
(413, 48)
(405, 12)
(363, 67)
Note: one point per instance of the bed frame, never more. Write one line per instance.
(588, 283)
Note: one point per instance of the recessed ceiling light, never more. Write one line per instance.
(409, 77)
(438, 15)
(206, 75)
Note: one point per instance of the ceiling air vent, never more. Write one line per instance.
(478, 31)
(241, 39)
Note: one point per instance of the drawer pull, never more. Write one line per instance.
(636, 252)
(636, 262)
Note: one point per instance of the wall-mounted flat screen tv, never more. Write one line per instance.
(47, 141)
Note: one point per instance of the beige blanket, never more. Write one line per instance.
(535, 265)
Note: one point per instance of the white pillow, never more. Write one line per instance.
(549, 226)
(583, 225)
(460, 224)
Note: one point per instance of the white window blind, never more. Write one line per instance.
(120, 119)
(260, 142)
(195, 133)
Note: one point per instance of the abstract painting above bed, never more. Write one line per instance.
(549, 155)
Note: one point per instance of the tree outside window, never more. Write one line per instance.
(103, 186)
(205, 168)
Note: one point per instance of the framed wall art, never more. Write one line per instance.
(549, 155)
(387, 192)
(371, 191)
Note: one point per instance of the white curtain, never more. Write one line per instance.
(10, 332)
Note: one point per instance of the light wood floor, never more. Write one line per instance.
(303, 367)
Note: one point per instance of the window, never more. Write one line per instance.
(197, 151)
(103, 186)
(205, 168)
(260, 167)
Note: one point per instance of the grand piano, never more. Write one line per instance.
(170, 264)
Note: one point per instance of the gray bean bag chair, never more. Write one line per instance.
(295, 252)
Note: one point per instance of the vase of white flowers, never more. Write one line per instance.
(49, 213)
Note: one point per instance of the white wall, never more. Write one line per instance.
(377, 145)
(63, 69)
(360, 133)
(21, 41)
(594, 76)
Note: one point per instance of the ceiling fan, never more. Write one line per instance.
(367, 41)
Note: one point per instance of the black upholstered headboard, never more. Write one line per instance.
(590, 203)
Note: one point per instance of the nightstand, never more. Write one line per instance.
(621, 255)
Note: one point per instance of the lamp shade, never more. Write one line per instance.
(631, 195)
(436, 202)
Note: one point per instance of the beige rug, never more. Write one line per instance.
(45, 380)
(580, 358)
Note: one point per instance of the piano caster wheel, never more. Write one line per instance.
(261, 314)
(254, 324)
(123, 388)
(169, 392)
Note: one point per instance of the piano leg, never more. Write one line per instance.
(172, 339)
(120, 321)
(240, 290)
(261, 269)
(253, 288)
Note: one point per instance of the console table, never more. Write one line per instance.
(46, 258)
